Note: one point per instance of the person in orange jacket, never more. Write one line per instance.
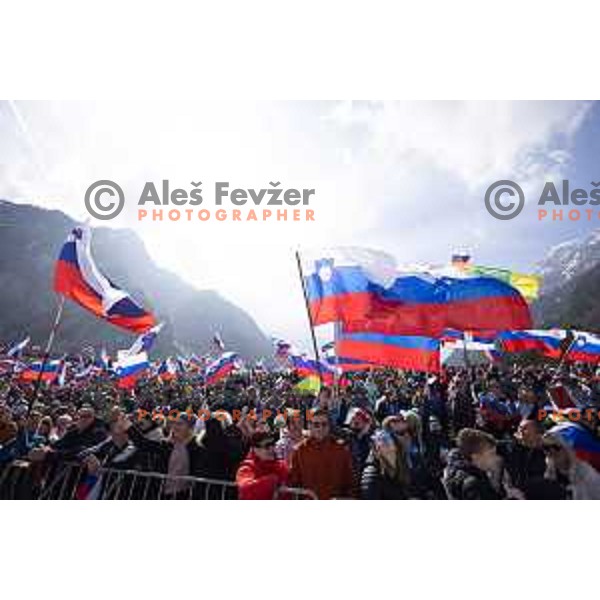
(322, 463)
(260, 474)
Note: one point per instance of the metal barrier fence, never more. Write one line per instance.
(22, 480)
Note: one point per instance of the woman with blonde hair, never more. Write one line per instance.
(386, 475)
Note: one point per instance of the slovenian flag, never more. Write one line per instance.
(48, 371)
(88, 488)
(130, 368)
(218, 342)
(585, 348)
(104, 359)
(167, 370)
(145, 341)
(546, 342)
(341, 283)
(401, 352)
(62, 377)
(15, 351)
(77, 277)
(221, 368)
(363, 290)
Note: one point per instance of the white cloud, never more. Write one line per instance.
(475, 142)
(405, 177)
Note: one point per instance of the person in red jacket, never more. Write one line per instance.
(260, 474)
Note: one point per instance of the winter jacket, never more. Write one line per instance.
(161, 450)
(259, 479)
(526, 466)
(324, 467)
(464, 481)
(75, 441)
(378, 485)
(8, 431)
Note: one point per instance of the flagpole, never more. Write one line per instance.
(565, 353)
(49, 344)
(310, 321)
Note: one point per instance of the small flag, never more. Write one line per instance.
(145, 341)
(218, 342)
(167, 370)
(309, 385)
(130, 368)
(221, 368)
(62, 378)
(104, 359)
(47, 372)
(15, 351)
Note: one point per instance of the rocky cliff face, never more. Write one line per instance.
(30, 240)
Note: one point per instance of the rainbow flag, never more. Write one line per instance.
(309, 385)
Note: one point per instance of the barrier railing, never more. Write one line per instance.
(290, 493)
(21, 480)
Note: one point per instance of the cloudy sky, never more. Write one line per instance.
(405, 177)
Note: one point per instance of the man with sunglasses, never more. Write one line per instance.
(261, 473)
(322, 463)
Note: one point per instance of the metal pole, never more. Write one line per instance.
(49, 343)
(310, 322)
(566, 352)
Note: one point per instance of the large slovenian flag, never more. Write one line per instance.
(48, 371)
(362, 289)
(401, 352)
(77, 277)
(340, 282)
(546, 342)
(130, 368)
(221, 368)
(585, 348)
(425, 304)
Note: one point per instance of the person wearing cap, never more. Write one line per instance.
(261, 473)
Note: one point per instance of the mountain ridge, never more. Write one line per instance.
(30, 240)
